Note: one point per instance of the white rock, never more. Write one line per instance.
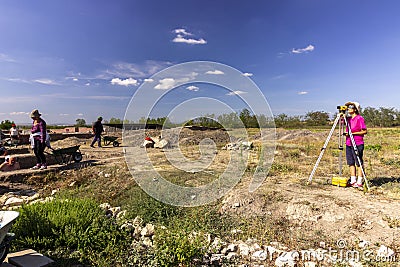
(310, 264)
(147, 242)
(107, 175)
(161, 144)
(287, 259)
(236, 231)
(115, 211)
(244, 249)
(148, 230)
(105, 206)
(259, 255)
(121, 214)
(217, 244)
(14, 201)
(34, 197)
(279, 245)
(53, 192)
(216, 258)
(363, 244)
(127, 226)
(232, 247)
(231, 256)
(354, 263)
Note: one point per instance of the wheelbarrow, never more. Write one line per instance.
(11, 142)
(110, 139)
(7, 218)
(67, 155)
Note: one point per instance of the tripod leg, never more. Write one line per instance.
(353, 143)
(323, 148)
(341, 131)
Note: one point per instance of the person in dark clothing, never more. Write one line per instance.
(97, 130)
(38, 139)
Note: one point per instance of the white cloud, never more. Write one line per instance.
(17, 80)
(215, 72)
(18, 113)
(309, 48)
(126, 82)
(193, 88)
(75, 79)
(148, 80)
(302, 93)
(80, 114)
(247, 74)
(182, 31)
(64, 114)
(236, 93)
(126, 69)
(180, 39)
(6, 58)
(87, 84)
(45, 81)
(166, 84)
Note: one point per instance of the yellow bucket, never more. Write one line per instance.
(340, 181)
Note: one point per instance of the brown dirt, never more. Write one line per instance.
(339, 213)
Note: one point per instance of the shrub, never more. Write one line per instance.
(69, 226)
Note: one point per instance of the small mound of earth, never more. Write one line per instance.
(68, 142)
(305, 135)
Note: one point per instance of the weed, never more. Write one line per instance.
(376, 147)
(71, 226)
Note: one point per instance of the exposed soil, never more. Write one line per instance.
(337, 212)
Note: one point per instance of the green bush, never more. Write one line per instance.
(69, 226)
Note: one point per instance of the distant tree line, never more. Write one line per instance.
(374, 117)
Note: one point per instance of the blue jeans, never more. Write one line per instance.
(98, 139)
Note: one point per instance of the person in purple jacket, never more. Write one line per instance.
(38, 134)
(358, 128)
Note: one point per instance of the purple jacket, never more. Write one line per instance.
(40, 127)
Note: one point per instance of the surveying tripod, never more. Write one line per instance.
(341, 119)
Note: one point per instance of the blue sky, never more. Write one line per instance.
(81, 59)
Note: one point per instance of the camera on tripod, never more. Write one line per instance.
(342, 109)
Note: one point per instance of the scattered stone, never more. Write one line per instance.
(14, 201)
(244, 249)
(363, 244)
(216, 259)
(231, 256)
(232, 248)
(72, 184)
(287, 259)
(259, 255)
(147, 242)
(310, 264)
(32, 198)
(236, 231)
(105, 206)
(148, 230)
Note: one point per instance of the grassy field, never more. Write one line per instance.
(58, 230)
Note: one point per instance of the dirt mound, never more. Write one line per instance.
(179, 136)
(67, 142)
(304, 135)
